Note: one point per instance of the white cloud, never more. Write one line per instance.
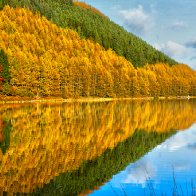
(178, 25)
(137, 20)
(115, 7)
(192, 147)
(181, 139)
(193, 58)
(181, 53)
(181, 167)
(192, 43)
(140, 173)
(174, 49)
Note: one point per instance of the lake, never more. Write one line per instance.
(98, 148)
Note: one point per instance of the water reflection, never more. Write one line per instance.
(163, 171)
(69, 146)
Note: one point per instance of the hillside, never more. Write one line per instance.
(40, 59)
(91, 25)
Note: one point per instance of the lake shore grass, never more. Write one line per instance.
(16, 99)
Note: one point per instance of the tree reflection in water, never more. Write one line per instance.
(73, 147)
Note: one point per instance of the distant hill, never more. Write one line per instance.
(90, 23)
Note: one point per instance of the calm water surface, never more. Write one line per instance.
(105, 148)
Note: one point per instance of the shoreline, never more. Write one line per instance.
(13, 100)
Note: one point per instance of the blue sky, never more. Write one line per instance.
(168, 25)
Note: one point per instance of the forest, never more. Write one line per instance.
(40, 59)
(89, 23)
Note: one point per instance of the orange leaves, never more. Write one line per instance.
(86, 6)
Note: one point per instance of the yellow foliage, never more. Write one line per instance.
(46, 60)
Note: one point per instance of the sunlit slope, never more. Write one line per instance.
(98, 28)
(41, 59)
(45, 141)
(47, 60)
